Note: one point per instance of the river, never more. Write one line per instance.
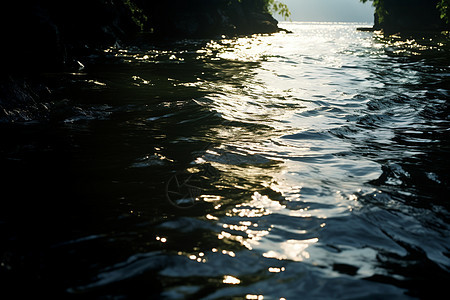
(308, 165)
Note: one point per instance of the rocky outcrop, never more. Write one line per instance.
(408, 15)
(44, 34)
(41, 36)
(208, 18)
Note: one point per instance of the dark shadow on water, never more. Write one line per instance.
(92, 191)
(85, 187)
(414, 183)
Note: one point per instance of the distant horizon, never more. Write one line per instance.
(329, 11)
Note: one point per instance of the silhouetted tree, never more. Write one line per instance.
(398, 15)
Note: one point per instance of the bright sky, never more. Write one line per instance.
(330, 10)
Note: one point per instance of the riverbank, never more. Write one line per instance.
(408, 16)
(44, 36)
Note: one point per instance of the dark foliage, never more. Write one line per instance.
(45, 35)
(411, 15)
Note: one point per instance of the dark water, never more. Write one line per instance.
(311, 165)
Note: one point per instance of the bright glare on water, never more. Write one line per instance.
(309, 165)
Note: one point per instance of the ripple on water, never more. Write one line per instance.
(318, 161)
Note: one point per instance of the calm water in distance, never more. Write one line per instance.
(311, 165)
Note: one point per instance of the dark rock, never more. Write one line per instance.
(206, 18)
(408, 15)
(40, 36)
(44, 35)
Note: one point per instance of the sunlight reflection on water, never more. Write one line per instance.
(311, 163)
(306, 87)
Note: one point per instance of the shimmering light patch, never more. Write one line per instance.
(261, 205)
(250, 213)
(292, 249)
(397, 45)
(254, 297)
(289, 192)
(198, 258)
(224, 234)
(97, 82)
(138, 81)
(246, 108)
(228, 279)
(210, 198)
(211, 217)
(235, 227)
(199, 160)
(241, 49)
(276, 270)
(230, 253)
(353, 197)
(263, 201)
(254, 236)
(161, 239)
(249, 237)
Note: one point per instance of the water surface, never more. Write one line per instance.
(310, 165)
